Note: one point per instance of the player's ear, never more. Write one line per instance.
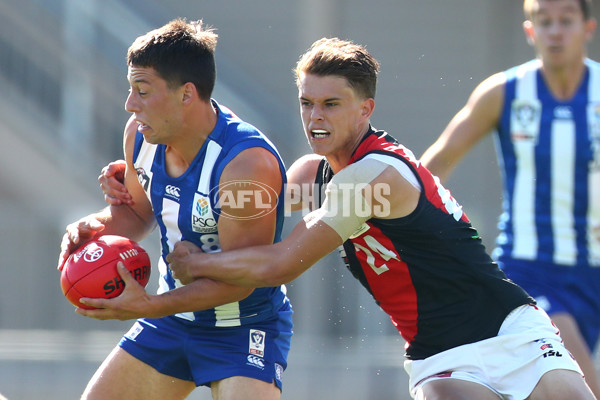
(529, 32)
(188, 92)
(367, 108)
(590, 28)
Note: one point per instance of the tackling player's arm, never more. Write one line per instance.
(134, 221)
(111, 180)
(317, 235)
(477, 118)
(301, 183)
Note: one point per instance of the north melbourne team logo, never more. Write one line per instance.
(143, 178)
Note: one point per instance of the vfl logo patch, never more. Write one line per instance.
(524, 120)
(257, 342)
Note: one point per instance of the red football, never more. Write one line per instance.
(91, 271)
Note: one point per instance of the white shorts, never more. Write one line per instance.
(527, 346)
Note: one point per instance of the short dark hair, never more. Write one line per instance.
(333, 56)
(180, 52)
(529, 8)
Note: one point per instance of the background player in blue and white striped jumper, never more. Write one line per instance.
(546, 115)
(184, 152)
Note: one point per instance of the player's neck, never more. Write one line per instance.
(340, 158)
(563, 82)
(195, 129)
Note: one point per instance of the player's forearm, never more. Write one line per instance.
(202, 294)
(122, 220)
(248, 267)
(437, 161)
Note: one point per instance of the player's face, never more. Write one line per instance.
(156, 107)
(332, 114)
(559, 32)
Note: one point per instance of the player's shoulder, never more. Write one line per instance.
(131, 126)
(256, 157)
(304, 169)
(493, 84)
(365, 170)
(593, 65)
(308, 160)
(253, 164)
(489, 95)
(231, 128)
(129, 136)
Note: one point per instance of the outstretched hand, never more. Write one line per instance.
(112, 178)
(132, 303)
(180, 260)
(77, 233)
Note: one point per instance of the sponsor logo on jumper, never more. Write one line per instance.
(172, 192)
(563, 112)
(203, 220)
